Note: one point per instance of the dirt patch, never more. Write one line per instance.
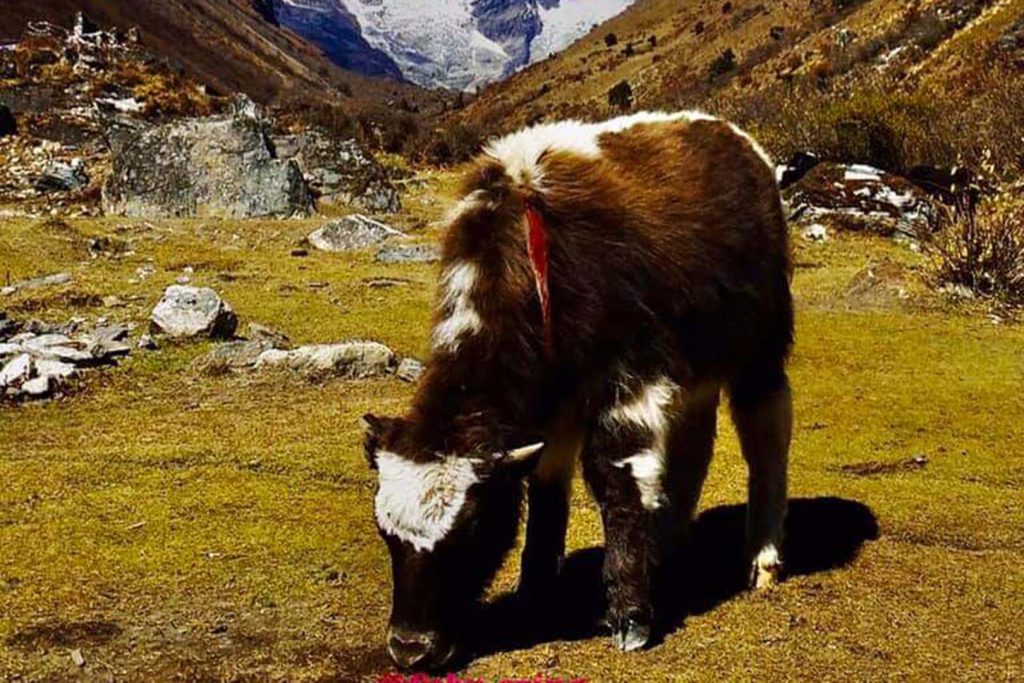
(59, 634)
(874, 468)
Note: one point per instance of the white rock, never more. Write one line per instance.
(39, 387)
(16, 371)
(816, 232)
(409, 370)
(193, 312)
(55, 369)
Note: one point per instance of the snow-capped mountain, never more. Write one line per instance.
(455, 44)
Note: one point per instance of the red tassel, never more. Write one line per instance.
(537, 246)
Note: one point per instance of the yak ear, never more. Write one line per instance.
(375, 430)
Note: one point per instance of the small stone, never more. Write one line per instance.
(56, 370)
(113, 302)
(350, 360)
(816, 232)
(147, 343)
(77, 657)
(276, 338)
(409, 370)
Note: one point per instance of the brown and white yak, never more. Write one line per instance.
(601, 285)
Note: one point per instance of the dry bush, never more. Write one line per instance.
(169, 95)
(984, 252)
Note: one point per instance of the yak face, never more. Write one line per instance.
(448, 520)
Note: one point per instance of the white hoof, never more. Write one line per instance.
(766, 569)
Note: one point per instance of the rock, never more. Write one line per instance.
(351, 233)
(262, 333)
(799, 165)
(815, 232)
(409, 370)
(147, 343)
(8, 350)
(349, 360)
(185, 312)
(222, 167)
(861, 198)
(17, 371)
(38, 283)
(236, 355)
(63, 177)
(340, 171)
(953, 186)
(107, 343)
(881, 285)
(39, 387)
(8, 125)
(57, 371)
(409, 253)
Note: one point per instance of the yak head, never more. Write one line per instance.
(448, 520)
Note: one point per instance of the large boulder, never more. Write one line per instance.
(351, 233)
(186, 312)
(861, 198)
(220, 167)
(340, 171)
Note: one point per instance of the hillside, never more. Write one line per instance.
(231, 45)
(773, 65)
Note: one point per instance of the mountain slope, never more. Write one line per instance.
(455, 44)
(933, 80)
(228, 44)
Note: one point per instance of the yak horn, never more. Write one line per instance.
(520, 454)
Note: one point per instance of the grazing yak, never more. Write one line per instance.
(601, 285)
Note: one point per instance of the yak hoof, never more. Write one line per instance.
(766, 569)
(630, 635)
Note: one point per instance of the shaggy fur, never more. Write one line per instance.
(669, 279)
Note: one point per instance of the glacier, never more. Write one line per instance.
(451, 44)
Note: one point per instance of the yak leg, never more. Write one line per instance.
(762, 410)
(549, 488)
(624, 462)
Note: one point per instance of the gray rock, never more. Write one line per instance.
(409, 253)
(349, 360)
(63, 177)
(351, 233)
(38, 283)
(262, 333)
(236, 355)
(340, 171)
(185, 312)
(222, 167)
(146, 342)
(409, 370)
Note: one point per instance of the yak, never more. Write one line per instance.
(601, 286)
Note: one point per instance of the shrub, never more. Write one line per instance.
(984, 252)
(621, 95)
(611, 40)
(723, 64)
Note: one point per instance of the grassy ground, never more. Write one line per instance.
(174, 526)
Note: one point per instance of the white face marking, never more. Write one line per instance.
(419, 502)
(456, 288)
(648, 410)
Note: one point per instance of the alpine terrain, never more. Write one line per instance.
(455, 44)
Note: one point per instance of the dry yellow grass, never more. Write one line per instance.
(173, 526)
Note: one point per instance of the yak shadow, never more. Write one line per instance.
(821, 534)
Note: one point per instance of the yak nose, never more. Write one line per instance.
(411, 650)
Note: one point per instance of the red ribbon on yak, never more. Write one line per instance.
(537, 247)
